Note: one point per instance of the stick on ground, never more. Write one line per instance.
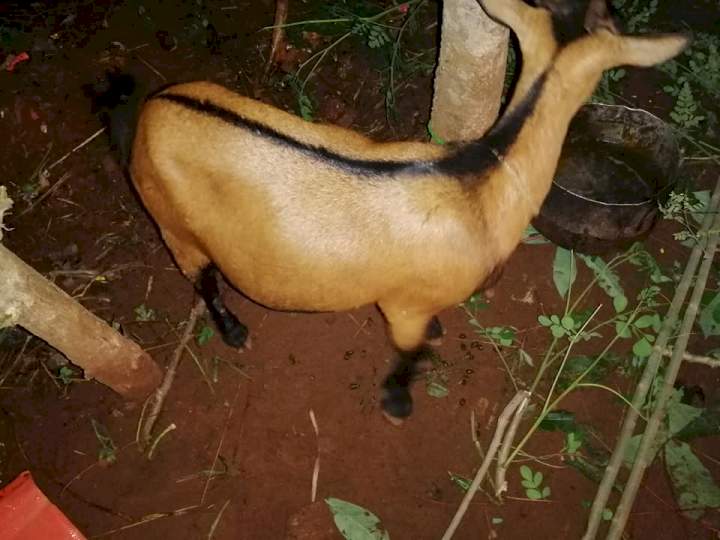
(157, 399)
(515, 403)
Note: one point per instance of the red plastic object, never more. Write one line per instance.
(26, 514)
(15, 60)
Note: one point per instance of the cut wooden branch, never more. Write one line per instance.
(651, 368)
(157, 400)
(471, 72)
(38, 305)
(646, 453)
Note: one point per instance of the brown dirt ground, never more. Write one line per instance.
(257, 421)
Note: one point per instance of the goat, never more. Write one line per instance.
(308, 217)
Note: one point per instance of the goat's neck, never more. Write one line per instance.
(519, 186)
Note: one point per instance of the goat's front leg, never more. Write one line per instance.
(408, 329)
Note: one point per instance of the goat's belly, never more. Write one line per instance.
(303, 289)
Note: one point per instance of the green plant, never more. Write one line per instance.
(693, 484)
(574, 325)
(686, 112)
(532, 482)
(635, 14)
(603, 92)
(66, 375)
(107, 455)
(145, 314)
(204, 335)
(376, 30)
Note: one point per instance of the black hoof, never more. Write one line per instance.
(435, 330)
(234, 335)
(397, 402)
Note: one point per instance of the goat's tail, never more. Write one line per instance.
(118, 99)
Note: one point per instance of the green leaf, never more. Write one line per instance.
(704, 425)
(620, 302)
(702, 197)
(642, 258)
(573, 441)
(642, 348)
(564, 270)
(691, 480)
(537, 478)
(545, 321)
(607, 514)
(557, 331)
(206, 333)
(622, 329)
(567, 322)
(460, 481)
(354, 522)
(680, 415)
(546, 492)
(577, 365)
(533, 494)
(436, 389)
(526, 473)
(497, 520)
(709, 319)
(558, 420)
(607, 278)
(645, 321)
(532, 236)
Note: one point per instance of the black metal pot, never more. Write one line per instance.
(616, 165)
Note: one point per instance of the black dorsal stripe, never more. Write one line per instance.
(465, 159)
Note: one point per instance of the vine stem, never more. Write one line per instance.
(643, 387)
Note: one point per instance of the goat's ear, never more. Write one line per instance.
(598, 16)
(650, 50)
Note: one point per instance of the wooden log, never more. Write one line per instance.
(42, 308)
(471, 72)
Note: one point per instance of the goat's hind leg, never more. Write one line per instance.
(234, 333)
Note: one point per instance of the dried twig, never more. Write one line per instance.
(278, 34)
(215, 523)
(158, 397)
(47, 193)
(515, 403)
(316, 467)
(230, 413)
(149, 518)
(71, 152)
